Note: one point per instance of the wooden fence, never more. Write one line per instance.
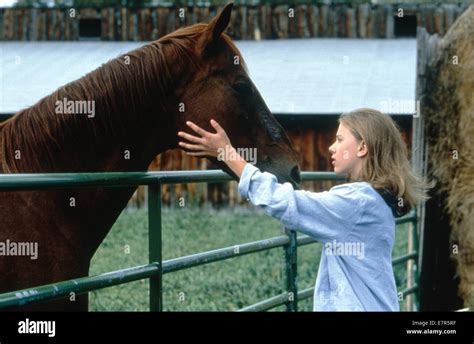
(248, 22)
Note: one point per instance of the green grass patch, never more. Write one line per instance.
(221, 286)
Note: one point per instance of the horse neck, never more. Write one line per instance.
(140, 117)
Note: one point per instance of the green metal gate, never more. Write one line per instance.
(156, 268)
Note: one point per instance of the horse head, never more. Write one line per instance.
(217, 85)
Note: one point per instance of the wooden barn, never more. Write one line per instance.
(306, 83)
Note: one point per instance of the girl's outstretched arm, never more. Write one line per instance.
(320, 215)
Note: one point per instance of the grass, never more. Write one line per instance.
(221, 286)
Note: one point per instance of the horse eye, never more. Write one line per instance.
(243, 88)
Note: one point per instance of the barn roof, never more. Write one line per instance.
(298, 76)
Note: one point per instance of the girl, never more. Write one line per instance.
(354, 221)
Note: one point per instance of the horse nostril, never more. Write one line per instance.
(295, 174)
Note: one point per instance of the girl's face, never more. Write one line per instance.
(347, 153)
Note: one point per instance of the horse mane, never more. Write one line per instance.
(118, 89)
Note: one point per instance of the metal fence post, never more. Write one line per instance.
(416, 277)
(154, 246)
(291, 272)
(410, 263)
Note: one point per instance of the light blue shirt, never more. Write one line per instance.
(356, 228)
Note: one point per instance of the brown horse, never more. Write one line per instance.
(140, 101)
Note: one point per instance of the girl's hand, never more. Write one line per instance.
(208, 144)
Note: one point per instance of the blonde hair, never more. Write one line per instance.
(386, 166)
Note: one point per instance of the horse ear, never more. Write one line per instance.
(218, 25)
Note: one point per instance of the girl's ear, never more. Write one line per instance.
(362, 150)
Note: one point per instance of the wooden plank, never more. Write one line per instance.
(154, 24)
(124, 23)
(269, 26)
(351, 24)
(362, 20)
(340, 20)
(52, 25)
(292, 20)
(21, 20)
(302, 22)
(244, 27)
(429, 20)
(117, 24)
(438, 21)
(75, 27)
(60, 27)
(104, 25)
(139, 25)
(112, 24)
(380, 22)
(253, 24)
(389, 23)
(49, 31)
(146, 24)
(44, 25)
(283, 21)
(313, 20)
(332, 23)
(67, 27)
(371, 23)
(161, 22)
(170, 21)
(237, 31)
(2, 20)
(265, 21)
(308, 153)
(129, 25)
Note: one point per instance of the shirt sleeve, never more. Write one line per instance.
(328, 215)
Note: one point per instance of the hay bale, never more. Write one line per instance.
(449, 116)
